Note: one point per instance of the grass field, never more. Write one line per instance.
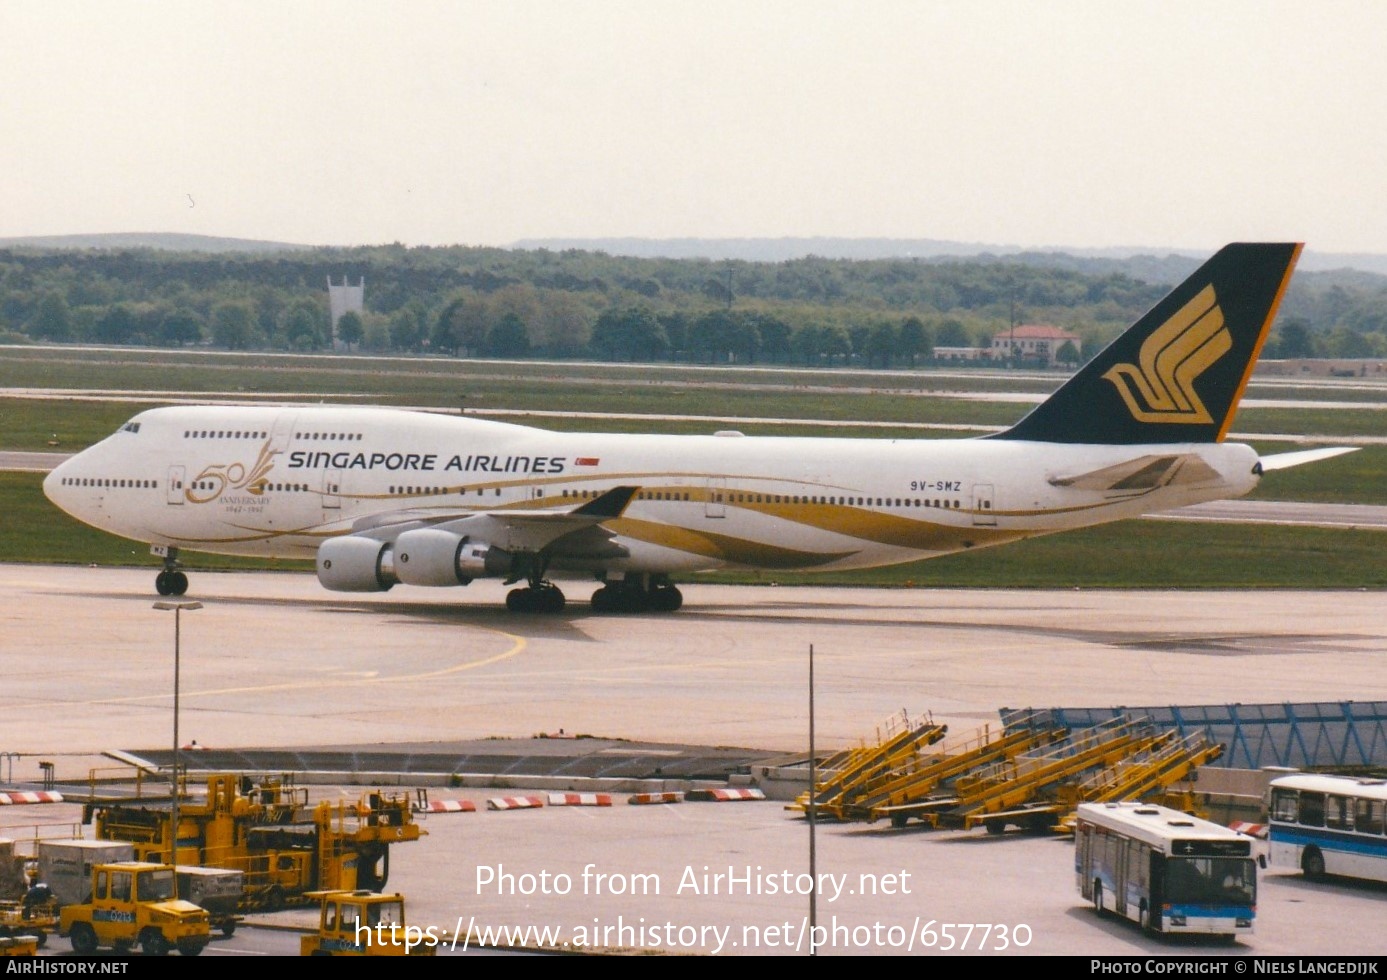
(902, 397)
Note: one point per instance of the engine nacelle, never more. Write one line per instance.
(356, 564)
(428, 556)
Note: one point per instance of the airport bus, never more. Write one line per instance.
(1166, 870)
(1324, 824)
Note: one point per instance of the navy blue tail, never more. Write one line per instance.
(1176, 375)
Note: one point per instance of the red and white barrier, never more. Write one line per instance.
(580, 799)
(514, 803)
(726, 795)
(447, 806)
(14, 799)
(640, 799)
(1258, 830)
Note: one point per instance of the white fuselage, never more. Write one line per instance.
(278, 481)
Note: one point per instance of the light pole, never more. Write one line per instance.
(177, 608)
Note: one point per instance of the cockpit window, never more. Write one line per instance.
(130, 427)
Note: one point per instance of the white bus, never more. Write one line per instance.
(1164, 869)
(1325, 824)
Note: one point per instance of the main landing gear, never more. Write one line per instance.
(170, 581)
(544, 597)
(634, 593)
(540, 596)
(638, 593)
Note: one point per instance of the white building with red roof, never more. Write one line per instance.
(1037, 343)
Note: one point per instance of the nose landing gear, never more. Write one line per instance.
(170, 581)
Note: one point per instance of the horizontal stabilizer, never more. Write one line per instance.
(1142, 474)
(1284, 461)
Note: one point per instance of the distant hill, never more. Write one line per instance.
(166, 241)
(1154, 263)
(1149, 264)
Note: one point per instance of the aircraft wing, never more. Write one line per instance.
(574, 533)
(1142, 474)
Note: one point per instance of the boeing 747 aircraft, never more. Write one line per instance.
(381, 497)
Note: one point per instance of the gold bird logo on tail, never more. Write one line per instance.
(1161, 389)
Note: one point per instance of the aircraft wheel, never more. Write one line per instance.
(602, 600)
(161, 584)
(519, 600)
(666, 599)
(551, 599)
(178, 583)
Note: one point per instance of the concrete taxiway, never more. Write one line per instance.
(272, 661)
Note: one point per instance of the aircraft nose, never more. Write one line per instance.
(54, 486)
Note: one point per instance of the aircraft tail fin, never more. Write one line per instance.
(1177, 374)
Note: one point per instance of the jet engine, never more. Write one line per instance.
(428, 556)
(356, 564)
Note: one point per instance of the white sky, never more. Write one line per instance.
(1114, 122)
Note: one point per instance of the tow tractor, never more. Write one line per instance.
(132, 904)
(365, 923)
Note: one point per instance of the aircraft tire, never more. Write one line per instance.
(178, 583)
(666, 599)
(161, 584)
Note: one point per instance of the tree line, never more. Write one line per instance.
(483, 302)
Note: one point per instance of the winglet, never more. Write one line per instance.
(611, 504)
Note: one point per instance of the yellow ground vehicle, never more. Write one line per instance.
(19, 945)
(132, 905)
(365, 923)
(283, 845)
(33, 919)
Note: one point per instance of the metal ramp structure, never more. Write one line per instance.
(1344, 736)
(1027, 791)
(1023, 774)
(1154, 772)
(911, 793)
(854, 771)
(1040, 764)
